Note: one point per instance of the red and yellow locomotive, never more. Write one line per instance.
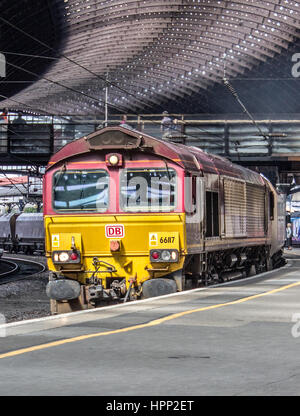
(130, 216)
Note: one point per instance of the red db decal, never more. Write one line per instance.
(114, 231)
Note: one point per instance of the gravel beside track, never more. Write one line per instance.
(25, 299)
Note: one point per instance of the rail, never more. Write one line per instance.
(20, 269)
(11, 268)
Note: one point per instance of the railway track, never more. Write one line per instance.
(15, 269)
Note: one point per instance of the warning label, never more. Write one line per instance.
(55, 240)
(153, 240)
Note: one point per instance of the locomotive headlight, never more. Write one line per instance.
(113, 160)
(63, 257)
(165, 255)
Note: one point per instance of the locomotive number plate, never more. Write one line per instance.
(164, 240)
(114, 231)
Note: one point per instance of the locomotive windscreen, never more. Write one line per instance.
(148, 190)
(81, 191)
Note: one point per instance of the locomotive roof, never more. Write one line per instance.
(119, 138)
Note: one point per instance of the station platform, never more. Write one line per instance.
(239, 338)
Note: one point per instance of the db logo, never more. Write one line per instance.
(114, 231)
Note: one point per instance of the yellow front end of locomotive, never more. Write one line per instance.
(116, 248)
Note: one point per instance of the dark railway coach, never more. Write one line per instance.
(22, 233)
(130, 216)
(8, 231)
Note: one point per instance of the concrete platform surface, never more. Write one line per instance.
(241, 338)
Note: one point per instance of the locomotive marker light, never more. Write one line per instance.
(155, 255)
(74, 256)
(174, 255)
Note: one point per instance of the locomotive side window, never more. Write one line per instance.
(148, 190)
(81, 191)
(212, 214)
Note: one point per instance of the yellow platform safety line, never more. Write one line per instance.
(141, 326)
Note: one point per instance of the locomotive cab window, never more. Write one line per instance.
(81, 191)
(148, 190)
(212, 214)
(190, 195)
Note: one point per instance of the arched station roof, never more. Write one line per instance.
(154, 53)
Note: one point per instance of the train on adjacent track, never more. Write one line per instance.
(22, 233)
(129, 216)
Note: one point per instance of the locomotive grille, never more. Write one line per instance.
(255, 210)
(235, 208)
(244, 209)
